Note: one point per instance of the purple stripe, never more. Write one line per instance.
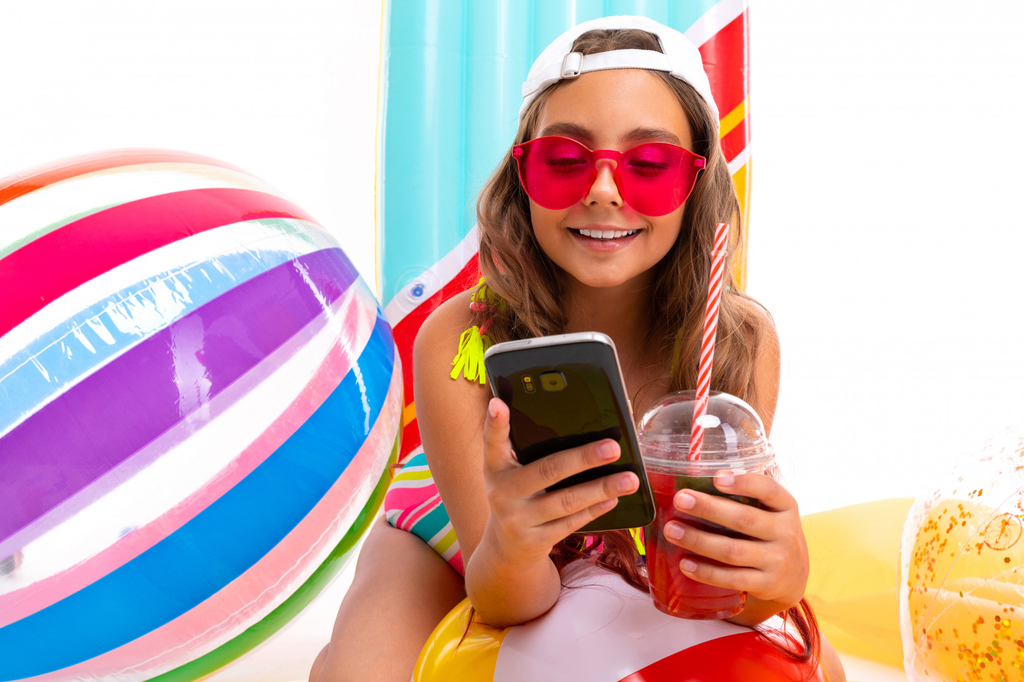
(111, 414)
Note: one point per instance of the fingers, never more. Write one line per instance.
(744, 518)
(578, 498)
(730, 577)
(562, 527)
(497, 447)
(770, 493)
(547, 471)
(728, 550)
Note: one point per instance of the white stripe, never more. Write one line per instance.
(32, 213)
(740, 160)
(714, 20)
(411, 484)
(249, 236)
(190, 465)
(612, 630)
(431, 502)
(440, 535)
(433, 279)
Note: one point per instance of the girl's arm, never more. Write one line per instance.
(505, 521)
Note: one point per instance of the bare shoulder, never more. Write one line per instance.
(440, 332)
(436, 344)
(450, 415)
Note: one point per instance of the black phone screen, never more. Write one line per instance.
(564, 396)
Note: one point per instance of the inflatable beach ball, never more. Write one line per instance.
(603, 630)
(962, 572)
(199, 400)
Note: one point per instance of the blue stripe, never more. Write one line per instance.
(429, 526)
(91, 337)
(217, 545)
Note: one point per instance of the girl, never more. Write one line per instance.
(589, 246)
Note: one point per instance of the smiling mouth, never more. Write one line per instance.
(605, 234)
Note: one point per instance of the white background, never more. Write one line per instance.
(885, 238)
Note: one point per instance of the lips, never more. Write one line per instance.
(603, 240)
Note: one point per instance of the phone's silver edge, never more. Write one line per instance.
(556, 340)
(563, 340)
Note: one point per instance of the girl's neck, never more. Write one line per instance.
(620, 312)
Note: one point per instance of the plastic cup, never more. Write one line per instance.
(734, 440)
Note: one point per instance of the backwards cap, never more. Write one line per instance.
(679, 58)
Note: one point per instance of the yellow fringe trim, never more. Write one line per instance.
(638, 539)
(470, 358)
(473, 343)
(483, 294)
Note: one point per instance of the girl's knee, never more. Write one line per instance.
(318, 663)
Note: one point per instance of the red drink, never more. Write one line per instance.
(734, 441)
(674, 592)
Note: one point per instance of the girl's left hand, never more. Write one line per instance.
(771, 566)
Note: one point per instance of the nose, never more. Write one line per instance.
(604, 191)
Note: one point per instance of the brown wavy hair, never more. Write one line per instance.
(534, 288)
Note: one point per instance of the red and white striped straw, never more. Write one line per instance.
(707, 344)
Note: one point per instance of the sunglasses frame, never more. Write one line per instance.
(520, 150)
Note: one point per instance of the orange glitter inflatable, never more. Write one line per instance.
(962, 572)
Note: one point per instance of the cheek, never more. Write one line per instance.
(667, 229)
(546, 222)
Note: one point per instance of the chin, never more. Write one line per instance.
(599, 281)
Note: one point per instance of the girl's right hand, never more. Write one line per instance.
(527, 521)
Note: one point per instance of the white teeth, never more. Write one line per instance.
(606, 234)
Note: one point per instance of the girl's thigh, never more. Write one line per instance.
(401, 590)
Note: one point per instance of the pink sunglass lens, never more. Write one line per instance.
(657, 178)
(555, 171)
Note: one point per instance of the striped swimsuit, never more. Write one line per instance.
(413, 504)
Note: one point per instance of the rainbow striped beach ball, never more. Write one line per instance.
(199, 400)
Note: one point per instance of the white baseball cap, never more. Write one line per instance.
(679, 58)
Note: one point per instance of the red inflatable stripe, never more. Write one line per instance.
(60, 261)
(405, 332)
(742, 657)
(20, 184)
(726, 62)
(735, 141)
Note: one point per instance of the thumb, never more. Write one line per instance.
(497, 446)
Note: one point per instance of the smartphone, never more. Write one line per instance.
(565, 391)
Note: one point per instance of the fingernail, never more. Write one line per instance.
(627, 482)
(609, 503)
(492, 408)
(674, 531)
(688, 565)
(606, 450)
(724, 480)
(685, 500)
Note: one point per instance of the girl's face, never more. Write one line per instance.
(616, 109)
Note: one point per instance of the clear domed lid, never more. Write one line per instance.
(733, 433)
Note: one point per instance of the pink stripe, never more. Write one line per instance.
(407, 498)
(21, 603)
(55, 263)
(456, 562)
(416, 513)
(260, 589)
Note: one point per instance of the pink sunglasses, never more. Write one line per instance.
(653, 178)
